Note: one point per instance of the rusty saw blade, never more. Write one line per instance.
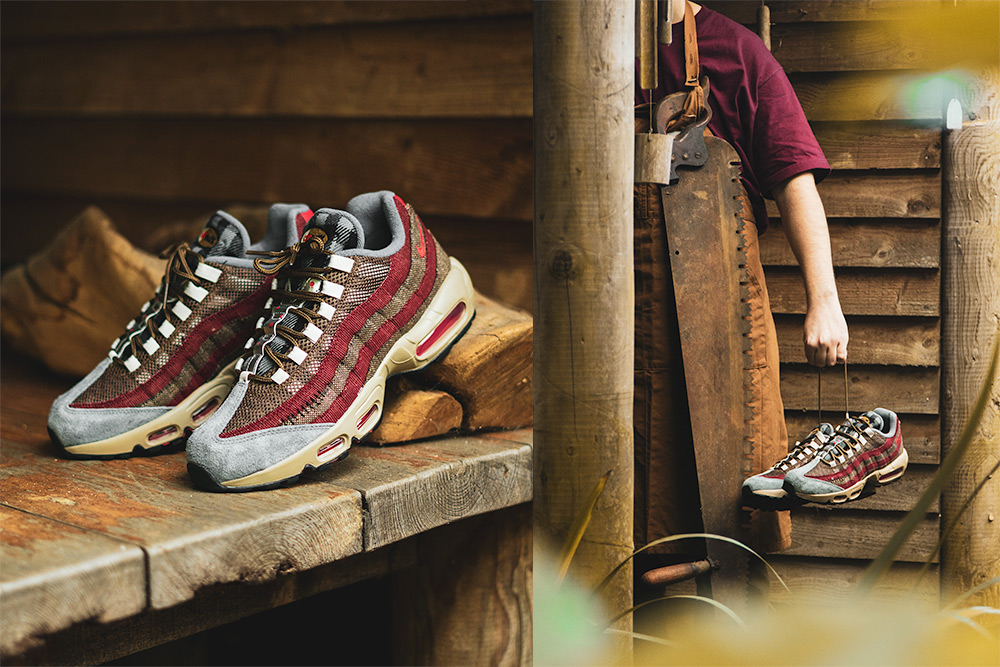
(708, 269)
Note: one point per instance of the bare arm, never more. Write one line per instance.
(804, 221)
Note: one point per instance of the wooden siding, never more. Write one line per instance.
(165, 111)
(883, 199)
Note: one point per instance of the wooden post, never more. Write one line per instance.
(583, 100)
(970, 305)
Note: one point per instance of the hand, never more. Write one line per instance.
(825, 334)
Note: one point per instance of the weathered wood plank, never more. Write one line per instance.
(54, 575)
(817, 532)
(412, 414)
(879, 194)
(489, 370)
(869, 244)
(850, 46)
(296, 160)
(797, 11)
(849, 96)
(884, 293)
(898, 388)
(97, 643)
(411, 488)
(893, 341)
(921, 433)
(879, 145)
(832, 580)
(28, 21)
(455, 69)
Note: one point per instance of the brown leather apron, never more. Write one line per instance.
(666, 486)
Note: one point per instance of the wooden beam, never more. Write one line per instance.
(830, 534)
(896, 341)
(879, 194)
(866, 243)
(971, 310)
(921, 433)
(453, 69)
(319, 162)
(903, 389)
(584, 73)
(76, 19)
(885, 292)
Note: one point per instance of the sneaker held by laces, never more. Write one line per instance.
(366, 293)
(867, 451)
(765, 488)
(173, 365)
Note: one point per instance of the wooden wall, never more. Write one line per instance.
(165, 111)
(849, 62)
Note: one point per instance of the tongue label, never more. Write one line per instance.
(208, 237)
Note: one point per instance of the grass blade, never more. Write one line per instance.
(715, 603)
(972, 591)
(579, 527)
(948, 466)
(639, 635)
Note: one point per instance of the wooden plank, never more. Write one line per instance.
(411, 414)
(921, 433)
(55, 575)
(793, 11)
(898, 388)
(892, 243)
(851, 47)
(879, 194)
(818, 532)
(865, 96)
(454, 69)
(97, 643)
(441, 167)
(893, 341)
(879, 145)
(884, 293)
(27, 21)
(412, 488)
(832, 580)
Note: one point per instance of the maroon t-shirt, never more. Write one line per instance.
(753, 105)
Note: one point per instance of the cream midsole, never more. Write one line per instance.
(180, 417)
(893, 470)
(402, 357)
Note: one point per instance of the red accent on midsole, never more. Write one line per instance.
(194, 340)
(446, 324)
(205, 410)
(368, 415)
(330, 445)
(156, 435)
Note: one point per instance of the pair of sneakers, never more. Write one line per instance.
(272, 358)
(834, 465)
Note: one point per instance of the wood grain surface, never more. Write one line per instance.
(879, 145)
(867, 243)
(906, 389)
(885, 292)
(890, 193)
(898, 341)
(817, 532)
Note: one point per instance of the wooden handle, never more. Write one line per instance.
(671, 574)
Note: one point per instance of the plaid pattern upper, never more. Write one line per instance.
(383, 297)
(875, 452)
(197, 350)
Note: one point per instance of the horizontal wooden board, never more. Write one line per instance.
(896, 341)
(884, 293)
(879, 194)
(850, 46)
(921, 433)
(30, 21)
(865, 96)
(864, 243)
(54, 575)
(471, 168)
(879, 145)
(898, 388)
(798, 11)
(831, 580)
(817, 532)
(475, 68)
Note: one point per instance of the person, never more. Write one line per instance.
(755, 109)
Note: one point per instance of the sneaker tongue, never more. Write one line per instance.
(223, 235)
(339, 230)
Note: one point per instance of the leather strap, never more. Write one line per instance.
(694, 105)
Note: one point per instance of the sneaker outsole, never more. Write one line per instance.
(203, 480)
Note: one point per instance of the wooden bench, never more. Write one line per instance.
(101, 559)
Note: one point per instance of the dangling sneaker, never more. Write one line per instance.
(173, 366)
(366, 293)
(866, 451)
(766, 488)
